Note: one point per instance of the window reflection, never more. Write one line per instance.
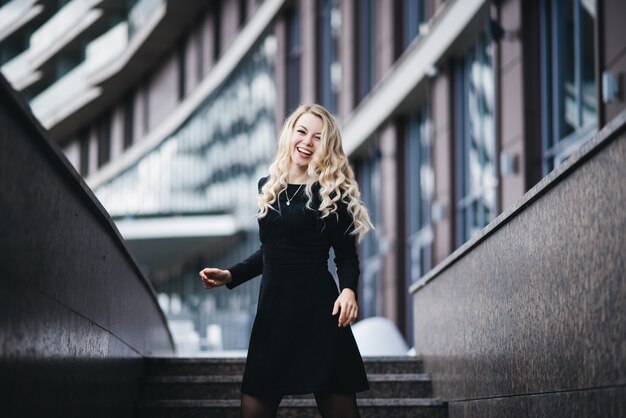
(569, 85)
(477, 179)
(369, 176)
(329, 67)
(413, 15)
(219, 152)
(420, 189)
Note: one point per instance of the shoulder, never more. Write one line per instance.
(262, 181)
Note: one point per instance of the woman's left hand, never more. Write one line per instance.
(346, 304)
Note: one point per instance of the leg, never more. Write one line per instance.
(337, 405)
(259, 406)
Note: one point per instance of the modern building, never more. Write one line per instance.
(450, 112)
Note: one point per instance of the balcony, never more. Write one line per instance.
(16, 14)
(114, 62)
(57, 35)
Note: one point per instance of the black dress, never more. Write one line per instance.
(296, 345)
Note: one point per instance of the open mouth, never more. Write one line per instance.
(304, 152)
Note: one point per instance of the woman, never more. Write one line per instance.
(301, 341)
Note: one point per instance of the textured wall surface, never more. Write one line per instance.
(76, 315)
(528, 318)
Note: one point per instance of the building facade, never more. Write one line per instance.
(450, 111)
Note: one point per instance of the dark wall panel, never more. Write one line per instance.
(534, 305)
(618, 69)
(605, 403)
(76, 315)
(613, 33)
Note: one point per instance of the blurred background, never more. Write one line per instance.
(450, 111)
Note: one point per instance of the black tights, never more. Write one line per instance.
(259, 406)
(330, 405)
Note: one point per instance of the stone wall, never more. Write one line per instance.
(76, 314)
(528, 318)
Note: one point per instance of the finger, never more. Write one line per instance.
(348, 314)
(208, 272)
(351, 317)
(343, 317)
(208, 283)
(216, 282)
(335, 308)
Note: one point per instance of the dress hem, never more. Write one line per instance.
(304, 391)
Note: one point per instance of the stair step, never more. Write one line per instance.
(392, 365)
(180, 387)
(179, 366)
(228, 386)
(235, 365)
(293, 408)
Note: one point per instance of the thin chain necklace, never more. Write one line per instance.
(294, 195)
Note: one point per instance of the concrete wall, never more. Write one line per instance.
(76, 315)
(613, 51)
(528, 318)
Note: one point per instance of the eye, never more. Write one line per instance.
(317, 138)
(300, 131)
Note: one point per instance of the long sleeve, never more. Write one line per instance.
(252, 266)
(344, 245)
(248, 269)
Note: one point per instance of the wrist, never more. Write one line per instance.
(228, 278)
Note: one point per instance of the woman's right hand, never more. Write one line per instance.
(212, 277)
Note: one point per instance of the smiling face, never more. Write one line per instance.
(305, 139)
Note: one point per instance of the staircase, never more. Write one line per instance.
(209, 387)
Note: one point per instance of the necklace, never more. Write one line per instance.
(294, 195)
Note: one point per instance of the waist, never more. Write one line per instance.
(277, 255)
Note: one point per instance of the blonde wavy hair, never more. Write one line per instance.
(329, 166)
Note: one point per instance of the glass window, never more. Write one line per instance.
(476, 142)
(104, 138)
(370, 303)
(217, 29)
(420, 183)
(200, 167)
(145, 96)
(419, 192)
(84, 153)
(294, 51)
(129, 119)
(13, 45)
(568, 78)
(243, 11)
(329, 69)
(364, 59)
(181, 61)
(412, 18)
(199, 38)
